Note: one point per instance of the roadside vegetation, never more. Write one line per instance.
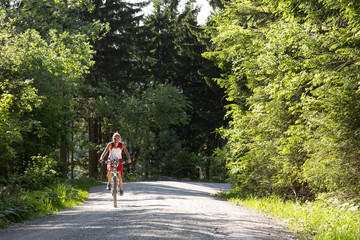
(265, 94)
(292, 74)
(327, 217)
(19, 202)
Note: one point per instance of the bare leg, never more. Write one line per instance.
(120, 181)
(109, 176)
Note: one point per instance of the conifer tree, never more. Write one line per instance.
(175, 57)
(113, 70)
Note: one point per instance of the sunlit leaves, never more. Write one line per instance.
(42, 62)
(301, 70)
(146, 121)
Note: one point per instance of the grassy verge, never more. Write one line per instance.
(31, 204)
(322, 219)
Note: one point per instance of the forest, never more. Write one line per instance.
(265, 95)
(75, 72)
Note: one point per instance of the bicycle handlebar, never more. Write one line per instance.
(108, 162)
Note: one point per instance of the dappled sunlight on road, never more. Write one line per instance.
(152, 210)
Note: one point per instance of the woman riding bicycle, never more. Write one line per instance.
(115, 147)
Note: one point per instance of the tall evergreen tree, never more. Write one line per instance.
(114, 68)
(207, 98)
(160, 28)
(175, 57)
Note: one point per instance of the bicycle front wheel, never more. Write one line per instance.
(114, 191)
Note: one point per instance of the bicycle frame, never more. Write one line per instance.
(114, 180)
(114, 184)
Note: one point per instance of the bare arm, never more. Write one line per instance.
(127, 154)
(106, 150)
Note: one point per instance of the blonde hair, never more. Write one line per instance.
(116, 134)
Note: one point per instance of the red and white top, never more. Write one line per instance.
(116, 151)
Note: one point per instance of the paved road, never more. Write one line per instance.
(153, 210)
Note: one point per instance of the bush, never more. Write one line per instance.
(29, 204)
(325, 218)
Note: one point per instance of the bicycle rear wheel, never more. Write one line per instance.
(114, 191)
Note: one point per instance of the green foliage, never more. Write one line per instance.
(115, 68)
(290, 70)
(42, 65)
(40, 174)
(17, 95)
(174, 46)
(160, 28)
(27, 204)
(116, 50)
(65, 66)
(329, 217)
(145, 121)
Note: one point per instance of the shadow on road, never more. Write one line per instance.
(148, 210)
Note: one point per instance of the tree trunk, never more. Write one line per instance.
(64, 154)
(4, 168)
(92, 152)
(207, 169)
(72, 163)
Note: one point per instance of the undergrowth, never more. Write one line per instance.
(324, 218)
(28, 204)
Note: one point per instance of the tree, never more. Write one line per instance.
(17, 96)
(298, 62)
(193, 71)
(175, 50)
(51, 56)
(114, 66)
(160, 28)
(145, 120)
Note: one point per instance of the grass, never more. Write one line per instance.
(30, 204)
(320, 219)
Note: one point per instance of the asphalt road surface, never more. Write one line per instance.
(153, 210)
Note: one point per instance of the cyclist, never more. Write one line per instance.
(115, 148)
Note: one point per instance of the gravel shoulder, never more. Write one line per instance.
(153, 210)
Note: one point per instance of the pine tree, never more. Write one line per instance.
(160, 28)
(207, 111)
(114, 64)
(175, 57)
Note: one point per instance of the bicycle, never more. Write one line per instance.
(114, 163)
